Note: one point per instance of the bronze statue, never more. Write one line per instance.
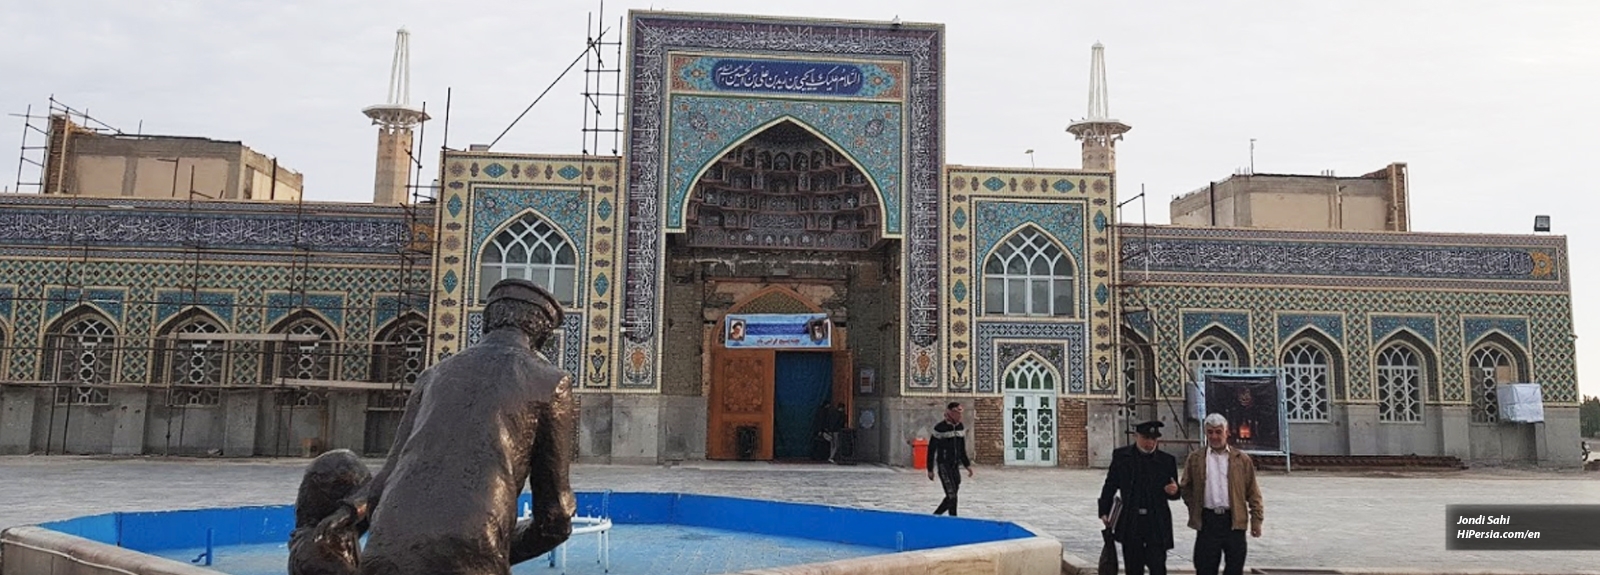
(477, 427)
(331, 477)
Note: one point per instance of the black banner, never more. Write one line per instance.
(1522, 527)
(1253, 406)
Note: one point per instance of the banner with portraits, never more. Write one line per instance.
(778, 330)
(1254, 406)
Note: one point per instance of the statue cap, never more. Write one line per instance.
(526, 291)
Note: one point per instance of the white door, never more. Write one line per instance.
(1030, 429)
(1030, 412)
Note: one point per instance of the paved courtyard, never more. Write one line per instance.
(1345, 520)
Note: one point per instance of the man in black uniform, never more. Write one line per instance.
(1148, 479)
(478, 428)
(947, 453)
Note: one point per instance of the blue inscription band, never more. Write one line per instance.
(1522, 527)
(786, 77)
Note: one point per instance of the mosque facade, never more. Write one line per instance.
(781, 230)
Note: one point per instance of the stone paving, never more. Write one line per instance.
(1373, 520)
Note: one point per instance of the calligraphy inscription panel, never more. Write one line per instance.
(703, 73)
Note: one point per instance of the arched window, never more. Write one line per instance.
(1400, 381)
(1215, 350)
(1134, 374)
(81, 350)
(1307, 373)
(1030, 374)
(531, 249)
(1028, 274)
(1491, 363)
(308, 352)
(192, 365)
(398, 356)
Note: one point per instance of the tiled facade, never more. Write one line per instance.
(872, 95)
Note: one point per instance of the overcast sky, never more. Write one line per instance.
(1492, 103)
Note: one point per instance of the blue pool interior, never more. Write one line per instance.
(658, 533)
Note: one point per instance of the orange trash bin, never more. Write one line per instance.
(919, 454)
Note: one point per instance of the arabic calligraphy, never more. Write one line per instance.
(789, 77)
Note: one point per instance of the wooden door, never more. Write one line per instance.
(741, 396)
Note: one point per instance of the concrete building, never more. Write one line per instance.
(780, 228)
(84, 162)
(1372, 202)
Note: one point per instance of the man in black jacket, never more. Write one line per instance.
(1147, 479)
(947, 453)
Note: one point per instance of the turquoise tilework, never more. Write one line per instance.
(1291, 323)
(704, 127)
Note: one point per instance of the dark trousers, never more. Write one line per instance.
(1137, 556)
(1218, 539)
(950, 478)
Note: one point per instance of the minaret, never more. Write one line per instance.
(1098, 132)
(395, 121)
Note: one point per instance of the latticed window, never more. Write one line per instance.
(193, 366)
(309, 352)
(82, 353)
(533, 250)
(1399, 384)
(1210, 354)
(1489, 366)
(1030, 374)
(1133, 375)
(400, 352)
(1028, 275)
(1306, 374)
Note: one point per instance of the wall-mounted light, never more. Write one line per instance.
(1541, 223)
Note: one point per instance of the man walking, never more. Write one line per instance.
(1147, 479)
(1219, 486)
(947, 453)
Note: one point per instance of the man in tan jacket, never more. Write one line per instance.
(1219, 487)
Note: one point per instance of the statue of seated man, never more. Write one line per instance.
(477, 427)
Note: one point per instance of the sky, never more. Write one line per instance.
(1491, 103)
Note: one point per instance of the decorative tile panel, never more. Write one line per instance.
(705, 127)
(1515, 328)
(1139, 322)
(1238, 323)
(109, 301)
(386, 308)
(654, 38)
(1290, 324)
(167, 224)
(981, 207)
(1548, 315)
(992, 336)
(170, 303)
(1424, 326)
(1352, 259)
(577, 194)
(281, 304)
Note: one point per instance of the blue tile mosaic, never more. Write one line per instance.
(704, 127)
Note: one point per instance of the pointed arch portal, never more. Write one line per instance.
(787, 188)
